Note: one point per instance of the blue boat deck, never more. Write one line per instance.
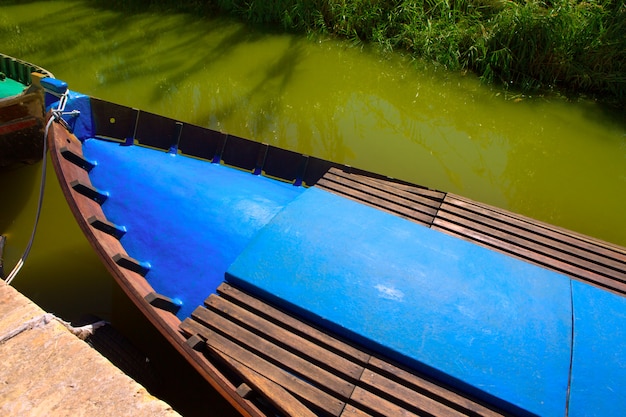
(474, 318)
(247, 344)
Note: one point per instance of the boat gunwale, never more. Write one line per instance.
(134, 285)
(22, 73)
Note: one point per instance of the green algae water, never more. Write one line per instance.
(544, 157)
(560, 162)
(547, 158)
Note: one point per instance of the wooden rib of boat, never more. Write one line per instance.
(22, 112)
(298, 286)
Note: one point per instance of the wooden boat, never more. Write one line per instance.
(21, 112)
(298, 286)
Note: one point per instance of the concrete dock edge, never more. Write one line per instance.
(47, 371)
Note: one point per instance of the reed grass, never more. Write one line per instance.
(530, 45)
(576, 46)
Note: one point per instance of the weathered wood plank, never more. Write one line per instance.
(378, 404)
(191, 327)
(420, 214)
(536, 243)
(387, 187)
(283, 337)
(530, 256)
(295, 385)
(554, 232)
(378, 192)
(407, 397)
(432, 389)
(352, 411)
(319, 337)
(386, 182)
(276, 394)
(306, 367)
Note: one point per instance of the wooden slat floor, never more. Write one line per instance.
(304, 371)
(411, 202)
(578, 256)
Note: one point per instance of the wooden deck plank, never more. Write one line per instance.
(536, 243)
(274, 353)
(412, 202)
(296, 386)
(420, 214)
(383, 194)
(276, 394)
(379, 405)
(293, 324)
(388, 184)
(388, 189)
(568, 237)
(432, 390)
(352, 411)
(406, 396)
(283, 337)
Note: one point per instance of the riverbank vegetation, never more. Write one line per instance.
(571, 46)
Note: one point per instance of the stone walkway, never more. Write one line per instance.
(47, 371)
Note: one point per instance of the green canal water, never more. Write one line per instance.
(544, 157)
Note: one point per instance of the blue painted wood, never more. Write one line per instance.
(54, 85)
(599, 357)
(490, 324)
(187, 218)
(81, 123)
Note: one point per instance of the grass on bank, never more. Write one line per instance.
(572, 46)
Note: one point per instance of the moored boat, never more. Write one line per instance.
(21, 111)
(298, 286)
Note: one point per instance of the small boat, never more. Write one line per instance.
(22, 111)
(299, 286)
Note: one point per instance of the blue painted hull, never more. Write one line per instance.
(523, 338)
(189, 221)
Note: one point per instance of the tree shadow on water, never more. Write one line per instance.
(128, 31)
(202, 7)
(129, 42)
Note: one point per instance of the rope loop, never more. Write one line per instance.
(56, 115)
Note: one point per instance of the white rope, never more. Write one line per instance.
(82, 332)
(30, 324)
(56, 115)
(42, 186)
